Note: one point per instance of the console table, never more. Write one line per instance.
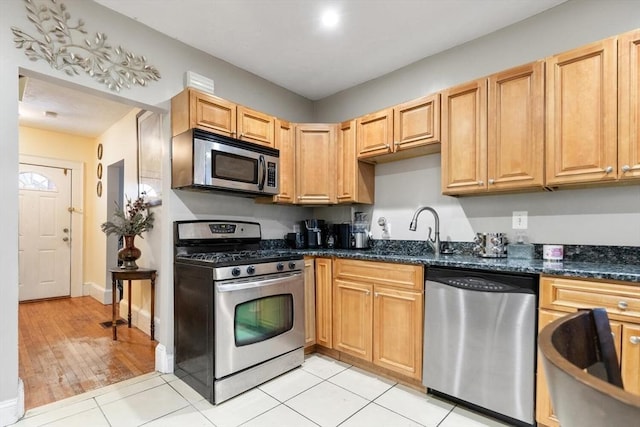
(129, 275)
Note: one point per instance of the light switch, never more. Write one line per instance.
(519, 220)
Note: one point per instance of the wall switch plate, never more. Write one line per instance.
(519, 220)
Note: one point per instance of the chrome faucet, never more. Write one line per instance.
(435, 242)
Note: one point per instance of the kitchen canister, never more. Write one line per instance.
(552, 252)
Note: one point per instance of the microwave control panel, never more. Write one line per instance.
(271, 174)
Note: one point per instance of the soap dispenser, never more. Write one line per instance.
(520, 249)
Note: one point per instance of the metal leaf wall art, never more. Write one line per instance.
(55, 43)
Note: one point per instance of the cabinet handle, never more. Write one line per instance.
(376, 294)
(367, 293)
(491, 181)
(608, 169)
(634, 339)
(622, 305)
(480, 182)
(626, 168)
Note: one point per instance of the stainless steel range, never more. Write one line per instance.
(239, 310)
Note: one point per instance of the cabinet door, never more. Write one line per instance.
(630, 360)
(316, 163)
(309, 302)
(629, 105)
(256, 127)
(284, 141)
(355, 179)
(352, 318)
(324, 302)
(375, 133)
(544, 411)
(397, 326)
(464, 138)
(515, 143)
(417, 123)
(581, 133)
(213, 114)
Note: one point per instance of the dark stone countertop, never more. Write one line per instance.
(590, 270)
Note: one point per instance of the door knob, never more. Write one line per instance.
(65, 239)
(65, 230)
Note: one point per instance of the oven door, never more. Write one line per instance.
(256, 320)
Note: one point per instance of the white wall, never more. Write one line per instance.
(601, 216)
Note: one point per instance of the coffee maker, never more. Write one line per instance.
(313, 231)
(361, 238)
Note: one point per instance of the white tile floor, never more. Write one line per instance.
(322, 392)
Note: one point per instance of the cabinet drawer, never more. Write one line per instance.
(621, 301)
(405, 276)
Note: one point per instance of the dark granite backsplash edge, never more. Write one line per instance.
(573, 253)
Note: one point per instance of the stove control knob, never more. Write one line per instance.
(235, 272)
(280, 266)
(251, 269)
(292, 265)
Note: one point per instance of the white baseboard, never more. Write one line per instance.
(140, 318)
(164, 361)
(97, 292)
(13, 409)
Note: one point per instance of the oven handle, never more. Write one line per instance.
(248, 284)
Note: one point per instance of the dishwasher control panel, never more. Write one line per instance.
(478, 284)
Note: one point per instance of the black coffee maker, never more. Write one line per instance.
(313, 230)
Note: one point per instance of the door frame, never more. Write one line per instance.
(77, 213)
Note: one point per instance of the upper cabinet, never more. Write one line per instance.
(315, 163)
(629, 106)
(193, 109)
(581, 132)
(356, 180)
(285, 142)
(493, 133)
(464, 138)
(406, 130)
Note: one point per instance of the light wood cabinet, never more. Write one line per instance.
(309, 302)
(324, 302)
(629, 106)
(406, 130)
(315, 163)
(356, 180)
(581, 130)
(193, 109)
(493, 133)
(374, 133)
(285, 142)
(515, 140)
(559, 296)
(464, 138)
(378, 313)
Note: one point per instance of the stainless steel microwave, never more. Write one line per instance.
(207, 161)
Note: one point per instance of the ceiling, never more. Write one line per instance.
(284, 42)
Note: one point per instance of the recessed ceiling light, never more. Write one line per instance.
(330, 18)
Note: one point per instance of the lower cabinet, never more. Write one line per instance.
(559, 296)
(378, 312)
(324, 302)
(309, 302)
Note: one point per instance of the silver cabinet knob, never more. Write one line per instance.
(626, 168)
(634, 339)
(608, 169)
(480, 182)
(622, 305)
(491, 181)
(367, 293)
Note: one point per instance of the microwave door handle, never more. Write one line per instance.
(262, 171)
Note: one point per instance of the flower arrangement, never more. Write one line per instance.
(133, 221)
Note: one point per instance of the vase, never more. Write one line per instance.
(129, 254)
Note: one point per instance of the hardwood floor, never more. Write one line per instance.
(64, 351)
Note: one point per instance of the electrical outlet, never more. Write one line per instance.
(519, 220)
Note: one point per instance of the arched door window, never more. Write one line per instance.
(35, 181)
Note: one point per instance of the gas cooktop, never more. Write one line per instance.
(243, 257)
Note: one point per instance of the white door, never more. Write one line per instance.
(44, 232)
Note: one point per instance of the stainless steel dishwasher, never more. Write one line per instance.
(480, 340)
